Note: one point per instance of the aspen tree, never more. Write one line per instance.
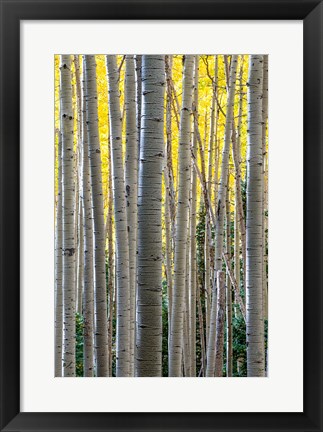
(187, 318)
(78, 193)
(239, 220)
(100, 293)
(192, 262)
(229, 346)
(149, 300)
(121, 225)
(254, 226)
(169, 195)
(88, 289)
(138, 61)
(111, 291)
(131, 176)
(264, 151)
(220, 210)
(58, 267)
(220, 314)
(216, 143)
(66, 117)
(175, 355)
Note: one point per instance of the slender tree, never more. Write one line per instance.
(58, 267)
(100, 293)
(175, 355)
(111, 284)
(239, 219)
(229, 342)
(88, 291)
(78, 194)
(121, 225)
(254, 287)
(68, 187)
(220, 315)
(169, 195)
(138, 61)
(264, 152)
(192, 262)
(131, 177)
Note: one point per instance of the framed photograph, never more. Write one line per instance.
(161, 206)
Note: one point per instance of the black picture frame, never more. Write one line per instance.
(12, 12)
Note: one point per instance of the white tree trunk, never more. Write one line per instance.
(264, 151)
(187, 317)
(149, 300)
(192, 262)
(59, 267)
(138, 61)
(78, 193)
(67, 129)
(239, 220)
(169, 194)
(121, 225)
(220, 213)
(184, 160)
(254, 286)
(111, 291)
(229, 342)
(100, 292)
(131, 175)
(88, 282)
(220, 315)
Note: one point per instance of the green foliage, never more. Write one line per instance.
(200, 240)
(114, 321)
(244, 196)
(239, 346)
(79, 344)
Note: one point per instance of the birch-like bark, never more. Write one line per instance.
(66, 111)
(169, 197)
(121, 225)
(100, 292)
(59, 267)
(192, 262)
(187, 318)
(216, 141)
(207, 275)
(239, 222)
(229, 342)
(131, 176)
(88, 288)
(111, 291)
(254, 285)
(169, 139)
(138, 61)
(264, 152)
(80, 255)
(201, 330)
(184, 161)
(220, 214)
(219, 343)
(78, 193)
(149, 295)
